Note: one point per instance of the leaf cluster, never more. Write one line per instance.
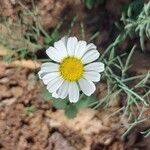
(70, 109)
(137, 24)
(91, 3)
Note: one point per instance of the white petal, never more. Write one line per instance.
(96, 66)
(80, 49)
(64, 40)
(54, 84)
(54, 54)
(50, 76)
(73, 92)
(92, 76)
(87, 87)
(41, 74)
(90, 46)
(61, 48)
(71, 45)
(49, 67)
(63, 90)
(55, 95)
(44, 71)
(90, 56)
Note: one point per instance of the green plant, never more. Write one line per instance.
(118, 80)
(146, 133)
(71, 109)
(139, 24)
(22, 44)
(118, 83)
(30, 109)
(90, 3)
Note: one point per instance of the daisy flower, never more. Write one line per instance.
(73, 69)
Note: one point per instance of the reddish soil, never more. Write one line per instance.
(48, 129)
(49, 13)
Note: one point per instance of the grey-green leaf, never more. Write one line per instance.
(85, 101)
(71, 111)
(59, 103)
(46, 95)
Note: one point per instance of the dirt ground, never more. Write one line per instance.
(45, 128)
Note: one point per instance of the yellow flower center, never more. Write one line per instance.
(71, 69)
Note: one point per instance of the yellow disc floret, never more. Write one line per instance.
(71, 69)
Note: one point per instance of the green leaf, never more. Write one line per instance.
(85, 101)
(71, 111)
(30, 109)
(55, 35)
(60, 103)
(52, 38)
(89, 3)
(48, 40)
(46, 95)
(57, 103)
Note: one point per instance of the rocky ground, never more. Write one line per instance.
(29, 123)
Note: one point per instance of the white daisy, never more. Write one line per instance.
(73, 69)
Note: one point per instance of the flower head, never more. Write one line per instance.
(73, 69)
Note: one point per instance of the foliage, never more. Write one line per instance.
(30, 109)
(26, 44)
(90, 3)
(118, 83)
(139, 24)
(70, 109)
(146, 133)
